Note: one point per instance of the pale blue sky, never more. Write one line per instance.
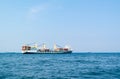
(85, 25)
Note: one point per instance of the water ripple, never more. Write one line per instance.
(60, 66)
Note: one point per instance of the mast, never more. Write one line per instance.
(55, 47)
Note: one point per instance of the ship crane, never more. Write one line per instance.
(35, 48)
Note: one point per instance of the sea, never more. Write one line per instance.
(60, 66)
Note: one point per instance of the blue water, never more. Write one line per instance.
(60, 66)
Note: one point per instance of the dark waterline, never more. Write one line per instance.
(60, 66)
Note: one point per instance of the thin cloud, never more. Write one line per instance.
(35, 10)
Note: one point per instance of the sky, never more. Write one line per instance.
(84, 25)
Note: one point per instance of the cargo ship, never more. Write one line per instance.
(42, 49)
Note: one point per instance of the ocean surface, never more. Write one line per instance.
(60, 66)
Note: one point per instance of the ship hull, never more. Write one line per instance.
(67, 52)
